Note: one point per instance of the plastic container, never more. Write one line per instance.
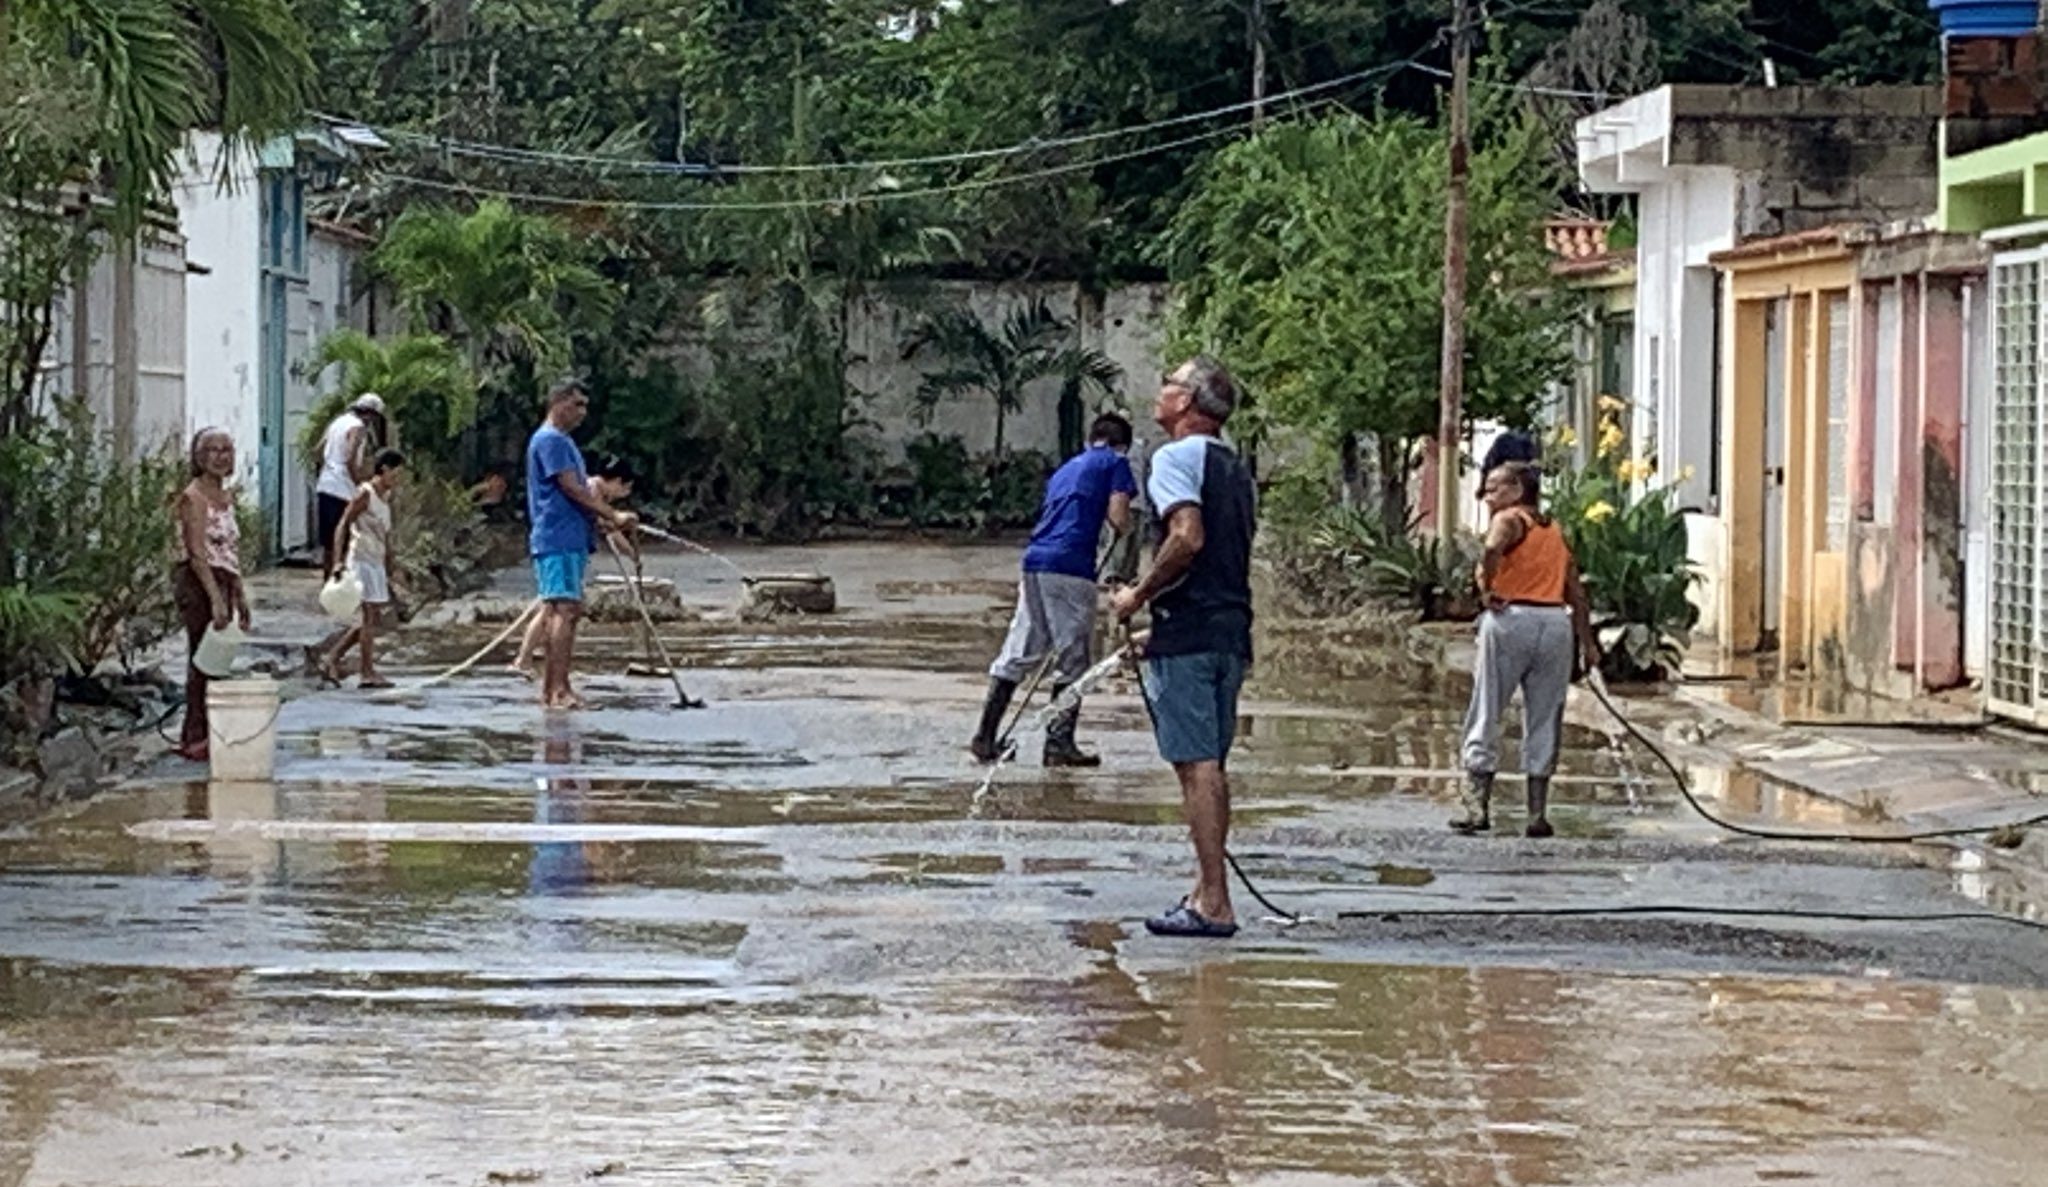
(343, 596)
(1987, 18)
(217, 649)
(241, 730)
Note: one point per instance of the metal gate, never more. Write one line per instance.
(2016, 684)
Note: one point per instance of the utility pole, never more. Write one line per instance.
(1450, 425)
(1255, 32)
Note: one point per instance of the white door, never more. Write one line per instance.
(2013, 669)
(1977, 422)
(1775, 316)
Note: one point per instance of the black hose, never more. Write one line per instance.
(1685, 789)
(1398, 913)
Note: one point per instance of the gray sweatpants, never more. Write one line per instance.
(1525, 647)
(1055, 612)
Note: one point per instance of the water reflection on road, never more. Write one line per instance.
(462, 942)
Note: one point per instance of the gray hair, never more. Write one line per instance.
(1214, 390)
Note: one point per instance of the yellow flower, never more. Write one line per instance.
(1601, 510)
(1630, 470)
(1685, 473)
(1610, 403)
(1611, 440)
(1567, 436)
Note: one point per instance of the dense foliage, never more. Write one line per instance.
(1311, 257)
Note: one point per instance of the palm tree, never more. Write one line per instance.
(509, 288)
(1032, 343)
(428, 389)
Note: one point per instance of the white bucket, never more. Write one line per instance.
(241, 729)
(215, 655)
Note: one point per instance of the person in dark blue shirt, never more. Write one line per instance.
(1056, 596)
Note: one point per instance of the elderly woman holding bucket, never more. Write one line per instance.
(207, 579)
(1535, 626)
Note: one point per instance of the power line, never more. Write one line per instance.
(1524, 88)
(972, 185)
(511, 154)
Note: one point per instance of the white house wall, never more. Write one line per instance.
(223, 231)
(1680, 224)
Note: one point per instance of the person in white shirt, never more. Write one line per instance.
(366, 532)
(345, 464)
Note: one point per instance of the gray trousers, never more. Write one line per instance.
(1055, 612)
(1525, 647)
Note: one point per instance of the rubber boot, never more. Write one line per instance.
(1060, 748)
(983, 747)
(1539, 804)
(1475, 800)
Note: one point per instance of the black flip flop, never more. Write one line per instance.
(1187, 922)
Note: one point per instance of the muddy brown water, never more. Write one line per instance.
(457, 942)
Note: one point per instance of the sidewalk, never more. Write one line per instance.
(1814, 757)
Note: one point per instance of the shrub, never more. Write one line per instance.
(1344, 558)
(1631, 550)
(442, 545)
(88, 543)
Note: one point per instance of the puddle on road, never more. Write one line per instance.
(1204, 1074)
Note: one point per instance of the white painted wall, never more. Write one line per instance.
(1682, 220)
(223, 236)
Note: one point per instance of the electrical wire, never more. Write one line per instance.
(972, 185)
(517, 154)
(1523, 88)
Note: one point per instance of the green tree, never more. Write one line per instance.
(429, 392)
(97, 96)
(1033, 343)
(511, 290)
(1310, 257)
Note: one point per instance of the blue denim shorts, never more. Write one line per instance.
(560, 575)
(1193, 699)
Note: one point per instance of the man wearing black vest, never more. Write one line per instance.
(1200, 592)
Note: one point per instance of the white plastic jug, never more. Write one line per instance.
(241, 729)
(342, 596)
(215, 656)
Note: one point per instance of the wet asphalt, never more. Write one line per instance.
(777, 940)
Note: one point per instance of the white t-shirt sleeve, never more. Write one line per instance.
(1176, 477)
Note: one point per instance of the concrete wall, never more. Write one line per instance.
(223, 343)
(1127, 324)
(329, 302)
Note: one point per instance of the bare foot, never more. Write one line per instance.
(567, 701)
(521, 668)
(373, 680)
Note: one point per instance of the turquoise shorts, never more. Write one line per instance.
(560, 575)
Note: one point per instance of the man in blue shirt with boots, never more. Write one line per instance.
(1056, 597)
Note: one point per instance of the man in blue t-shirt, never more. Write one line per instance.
(561, 507)
(1056, 597)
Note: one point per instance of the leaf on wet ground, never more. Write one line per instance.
(498, 1178)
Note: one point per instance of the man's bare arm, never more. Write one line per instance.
(1185, 537)
(1120, 513)
(581, 495)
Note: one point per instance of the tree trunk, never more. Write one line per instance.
(1002, 414)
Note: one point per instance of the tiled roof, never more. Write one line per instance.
(1576, 238)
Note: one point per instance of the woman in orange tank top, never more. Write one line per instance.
(1536, 623)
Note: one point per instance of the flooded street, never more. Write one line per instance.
(773, 941)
